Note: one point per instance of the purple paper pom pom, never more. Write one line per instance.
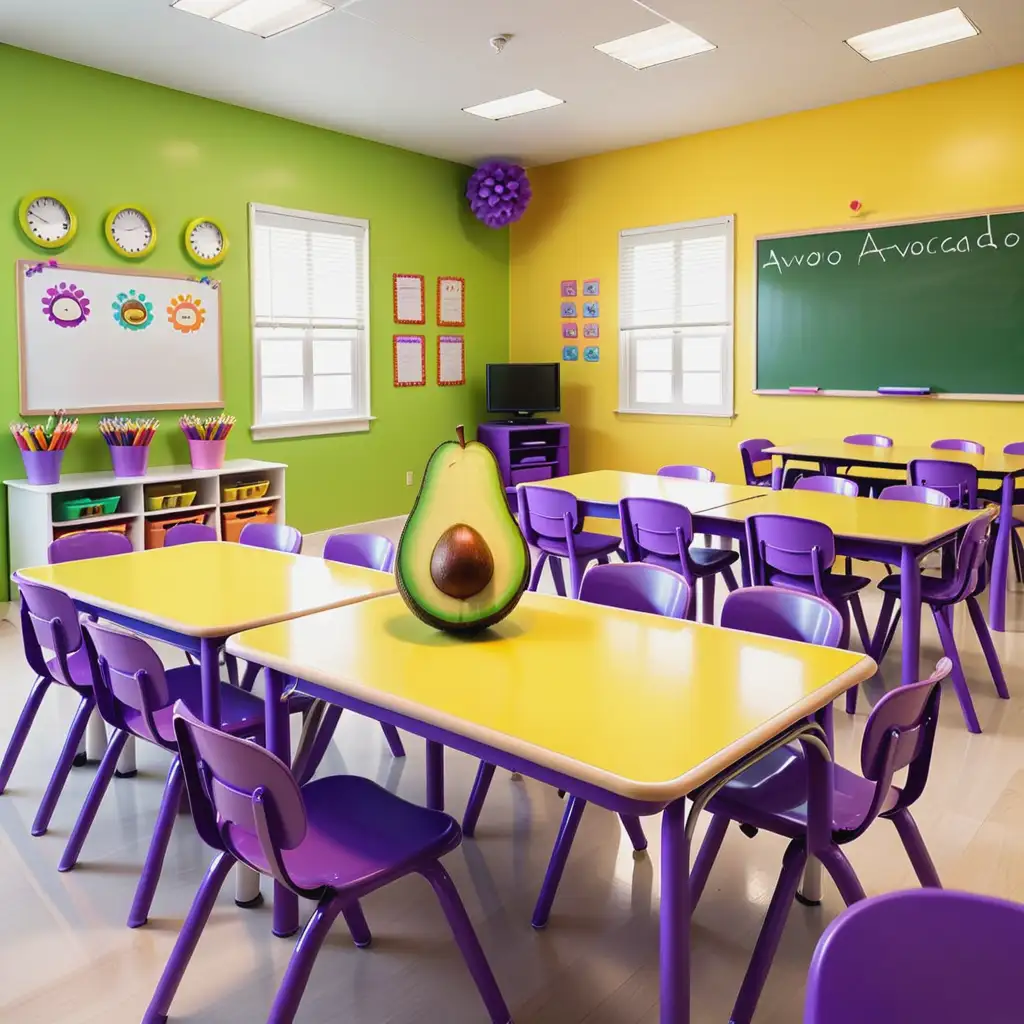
(498, 193)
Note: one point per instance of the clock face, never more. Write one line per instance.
(206, 241)
(131, 231)
(48, 219)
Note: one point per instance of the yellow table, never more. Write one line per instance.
(631, 711)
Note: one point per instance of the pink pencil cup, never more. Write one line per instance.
(207, 454)
(129, 460)
(43, 467)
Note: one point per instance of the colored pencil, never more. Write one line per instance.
(210, 428)
(119, 431)
(55, 435)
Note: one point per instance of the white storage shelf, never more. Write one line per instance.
(31, 526)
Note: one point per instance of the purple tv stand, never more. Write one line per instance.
(527, 452)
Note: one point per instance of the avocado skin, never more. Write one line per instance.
(424, 614)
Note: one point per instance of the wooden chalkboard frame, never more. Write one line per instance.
(865, 226)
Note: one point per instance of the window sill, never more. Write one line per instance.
(720, 414)
(310, 428)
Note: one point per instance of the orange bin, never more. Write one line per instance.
(156, 529)
(233, 522)
(111, 528)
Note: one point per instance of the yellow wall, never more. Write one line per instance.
(953, 147)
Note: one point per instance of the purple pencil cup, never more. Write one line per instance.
(206, 454)
(43, 467)
(129, 460)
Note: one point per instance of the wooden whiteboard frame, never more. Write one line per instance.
(868, 226)
(20, 266)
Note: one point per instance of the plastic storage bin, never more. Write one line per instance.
(168, 497)
(245, 490)
(234, 522)
(82, 507)
(156, 529)
(110, 528)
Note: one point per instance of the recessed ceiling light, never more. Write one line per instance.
(919, 34)
(509, 106)
(264, 18)
(656, 46)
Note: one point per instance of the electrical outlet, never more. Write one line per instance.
(408, 478)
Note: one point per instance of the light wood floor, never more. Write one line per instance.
(66, 956)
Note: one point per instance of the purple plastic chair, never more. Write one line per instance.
(787, 614)
(752, 452)
(828, 485)
(369, 550)
(1017, 547)
(958, 444)
(942, 594)
(957, 480)
(72, 671)
(135, 695)
(273, 536)
(870, 485)
(772, 795)
(927, 955)
(334, 841)
(552, 523)
(640, 588)
(660, 532)
(872, 440)
(699, 473)
(915, 492)
(189, 533)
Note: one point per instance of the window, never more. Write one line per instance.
(311, 348)
(676, 312)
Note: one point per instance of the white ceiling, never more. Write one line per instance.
(401, 70)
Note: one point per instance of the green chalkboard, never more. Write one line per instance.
(936, 304)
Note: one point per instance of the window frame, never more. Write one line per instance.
(628, 335)
(306, 425)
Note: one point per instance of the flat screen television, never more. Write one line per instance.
(521, 389)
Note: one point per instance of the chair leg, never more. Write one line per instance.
(357, 926)
(909, 835)
(537, 570)
(435, 775)
(577, 566)
(308, 757)
(557, 575)
(231, 664)
(249, 676)
(985, 638)
(60, 773)
(602, 559)
(862, 625)
(188, 939)
(394, 739)
(23, 728)
(467, 941)
(771, 932)
(963, 694)
(841, 870)
(882, 627)
(477, 795)
(707, 599)
(730, 579)
(146, 889)
(706, 855)
(635, 831)
(97, 791)
(559, 855)
(1015, 552)
(844, 613)
(892, 633)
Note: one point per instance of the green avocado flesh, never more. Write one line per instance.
(461, 539)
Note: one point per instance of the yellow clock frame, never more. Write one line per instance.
(108, 230)
(23, 221)
(193, 255)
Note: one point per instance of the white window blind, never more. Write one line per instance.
(676, 319)
(310, 299)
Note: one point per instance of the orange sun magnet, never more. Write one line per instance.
(186, 314)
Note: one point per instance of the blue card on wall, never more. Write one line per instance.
(592, 286)
(570, 353)
(591, 309)
(592, 354)
(568, 309)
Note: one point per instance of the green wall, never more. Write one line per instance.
(100, 140)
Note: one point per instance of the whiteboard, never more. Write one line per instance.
(98, 340)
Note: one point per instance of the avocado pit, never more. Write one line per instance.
(461, 564)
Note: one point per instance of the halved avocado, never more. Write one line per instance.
(462, 562)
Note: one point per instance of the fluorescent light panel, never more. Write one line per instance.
(264, 18)
(654, 46)
(918, 34)
(510, 106)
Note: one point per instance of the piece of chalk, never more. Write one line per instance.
(904, 391)
(805, 391)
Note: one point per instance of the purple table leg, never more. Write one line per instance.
(209, 674)
(675, 916)
(286, 903)
(435, 775)
(1001, 558)
(910, 604)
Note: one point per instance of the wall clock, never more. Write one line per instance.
(205, 241)
(130, 232)
(47, 220)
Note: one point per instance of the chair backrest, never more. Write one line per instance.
(958, 444)
(87, 544)
(971, 562)
(787, 614)
(653, 526)
(957, 480)
(752, 451)
(1014, 448)
(828, 485)
(547, 512)
(927, 955)
(189, 533)
(49, 622)
(789, 544)
(705, 476)
(637, 587)
(912, 492)
(874, 440)
(369, 550)
(273, 536)
(127, 673)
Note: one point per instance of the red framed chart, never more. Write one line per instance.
(451, 360)
(410, 360)
(408, 298)
(451, 302)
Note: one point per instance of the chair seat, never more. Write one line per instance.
(588, 545)
(241, 712)
(359, 836)
(710, 560)
(934, 589)
(772, 794)
(836, 585)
